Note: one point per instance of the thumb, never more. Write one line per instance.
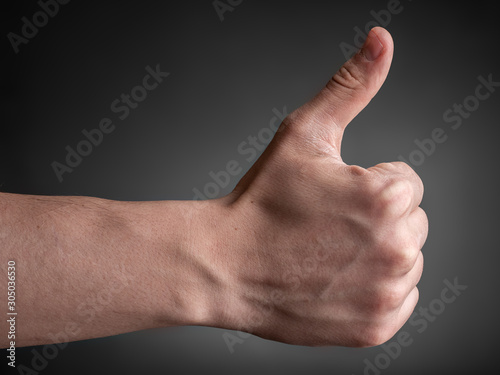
(349, 90)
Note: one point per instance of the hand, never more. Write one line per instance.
(314, 251)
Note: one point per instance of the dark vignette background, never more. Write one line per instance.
(226, 77)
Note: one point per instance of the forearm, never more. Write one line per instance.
(88, 267)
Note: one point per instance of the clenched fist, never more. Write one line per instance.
(310, 250)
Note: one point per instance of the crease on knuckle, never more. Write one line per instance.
(347, 77)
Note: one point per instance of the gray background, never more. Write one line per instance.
(225, 79)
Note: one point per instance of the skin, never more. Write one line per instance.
(306, 250)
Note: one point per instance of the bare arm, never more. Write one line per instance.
(306, 250)
(88, 267)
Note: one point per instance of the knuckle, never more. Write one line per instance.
(396, 173)
(394, 198)
(385, 300)
(403, 260)
(422, 225)
(357, 171)
(403, 167)
(347, 77)
(410, 174)
(383, 197)
(393, 297)
(372, 335)
(396, 252)
(419, 265)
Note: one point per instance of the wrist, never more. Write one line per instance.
(211, 249)
(184, 271)
(225, 247)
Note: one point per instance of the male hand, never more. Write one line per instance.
(306, 250)
(313, 251)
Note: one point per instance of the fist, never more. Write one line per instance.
(317, 252)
